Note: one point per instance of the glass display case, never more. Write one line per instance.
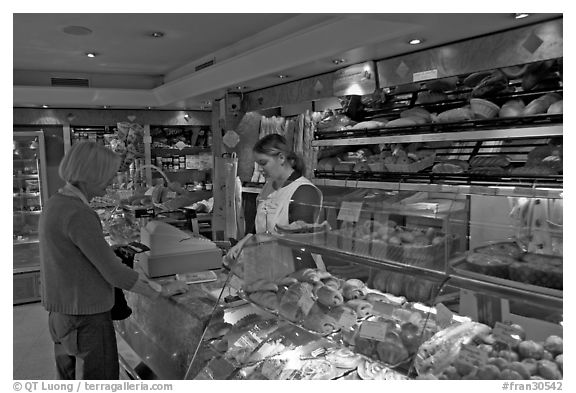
(325, 301)
(29, 195)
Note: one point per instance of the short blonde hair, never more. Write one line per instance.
(89, 162)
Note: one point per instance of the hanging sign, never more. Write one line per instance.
(359, 79)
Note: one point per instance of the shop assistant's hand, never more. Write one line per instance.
(234, 251)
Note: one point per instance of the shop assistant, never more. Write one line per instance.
(287, 196)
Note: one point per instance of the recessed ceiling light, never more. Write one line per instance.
(415, 41)
(105, 107)
(240, 87)
(44, 106)
(338, 61)
(148, 107)
(157, 34)
(282, 76)
(521, 15)
(207, 102)
(77, 30)
(91, 54)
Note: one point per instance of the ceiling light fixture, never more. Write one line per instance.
(44, 106)
(415, 41)
(148, 107)
(77, 30)
(282, 76)
(186, 116)
(157, 34)
(105, 107)
(338, 61)
(521, 15)
(91, 54)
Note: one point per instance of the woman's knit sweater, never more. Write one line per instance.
(78, 268)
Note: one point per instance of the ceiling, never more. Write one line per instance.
(133, 69)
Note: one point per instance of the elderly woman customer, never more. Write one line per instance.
(79, 270)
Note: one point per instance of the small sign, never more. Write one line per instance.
(373, 330)
(350, 211)
(506, 334)
(140, 213)
(358, 79)
(424, 75)
(382, 308)
(443, 316)
(471, 354)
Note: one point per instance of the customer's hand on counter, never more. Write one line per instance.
(172, 288)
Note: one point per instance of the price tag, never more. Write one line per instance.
(506, 334)
(350, 211)
(424, 75)
(472, 355)
(443, 316)
(382, 308)
(373, 330)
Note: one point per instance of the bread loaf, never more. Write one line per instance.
(361, 307)
(321, 323)
(354, 289)
(512, 108)
(328, 164)
(260, 285)
(556, 107)
(489, 161)
(455, 115)
(417, 112)
(402, 122)
(265, 299)
(488, 171)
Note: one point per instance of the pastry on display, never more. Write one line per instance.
(361, 307)
(265, 299)
(354, 289)
(317, 369)
(343, 358)
(329, 296)
(260, 285)
(371, 370)
(320, 322)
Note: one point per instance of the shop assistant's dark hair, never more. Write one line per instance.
(274, 144)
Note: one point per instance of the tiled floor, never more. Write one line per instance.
(33, 356)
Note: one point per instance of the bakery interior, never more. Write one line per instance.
(436, 140)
